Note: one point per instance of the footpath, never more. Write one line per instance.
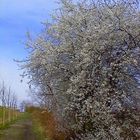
(21, 130)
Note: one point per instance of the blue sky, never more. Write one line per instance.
(16, 18)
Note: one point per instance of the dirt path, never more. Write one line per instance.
(21, 130)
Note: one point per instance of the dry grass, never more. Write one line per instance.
(47, 122)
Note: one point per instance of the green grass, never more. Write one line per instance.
(38, 131)
(0, 112)
(7, 123)
(36, 127)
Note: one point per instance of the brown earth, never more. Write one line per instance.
(22, 130)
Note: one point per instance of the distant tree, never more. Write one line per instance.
(8, 104)
(3, 99)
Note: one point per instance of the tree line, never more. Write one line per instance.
(84, 69)
(8, 105)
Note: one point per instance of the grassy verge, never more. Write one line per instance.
(38, 130)
(8, 124)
